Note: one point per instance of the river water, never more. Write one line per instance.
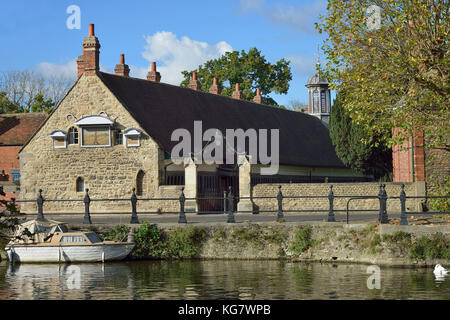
(216, 280)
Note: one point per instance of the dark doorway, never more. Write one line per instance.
(214, 186)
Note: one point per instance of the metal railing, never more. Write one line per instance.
(229, 199)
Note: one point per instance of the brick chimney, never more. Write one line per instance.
(195, 84)
(89, 62)
(257, 98)
(121, 68)
(237, 93)
(153, 75)
(214, 88)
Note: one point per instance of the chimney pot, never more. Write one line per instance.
(91, 30)
(257, 98)
(237, 93)
(194, 84)
(122, 69)
(214, 89)
(153, 75)
(89, 61)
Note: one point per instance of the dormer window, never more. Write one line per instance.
(95, 131)
(59, 139)
(133, 137)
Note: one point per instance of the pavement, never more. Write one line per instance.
(114, 219)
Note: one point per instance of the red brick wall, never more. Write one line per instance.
(402, 159)
(9, 160)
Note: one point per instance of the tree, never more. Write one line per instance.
(7, 106)
(395, 71)
(250, 70)
(41, 105)
(296, 105)
(355, 147)
(23, 89)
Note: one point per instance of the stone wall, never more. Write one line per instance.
(108, 172)
(339, 189)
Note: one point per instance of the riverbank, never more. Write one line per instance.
(369, 243)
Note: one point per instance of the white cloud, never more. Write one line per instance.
(174, 55)
(302, 66)
(66, 70)
(299, 18)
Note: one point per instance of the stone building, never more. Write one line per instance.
(319, 98)
(15, 129)
(112, 133)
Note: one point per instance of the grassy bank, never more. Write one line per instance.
(285, 241)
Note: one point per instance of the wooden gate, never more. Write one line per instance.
(214, 186)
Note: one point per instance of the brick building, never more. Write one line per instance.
(112, 132)
(414, 161)
(15, 130)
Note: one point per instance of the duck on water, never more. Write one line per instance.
(51, 241)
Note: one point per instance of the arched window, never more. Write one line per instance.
(73, 135)
(140, 180)
(119, 137)
(323, 102)
(316, 102)
(80, 184)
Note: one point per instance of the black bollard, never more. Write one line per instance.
(331, 217)
(280, 204)
(87, 214)
(40, 205)
(403, 218)
(134, 217)
(230, 218)
(182, 217)
(384, 216)
(380, 198)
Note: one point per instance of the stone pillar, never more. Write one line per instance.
(244, 184)
(190, 184)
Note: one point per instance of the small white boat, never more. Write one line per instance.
(59, 246)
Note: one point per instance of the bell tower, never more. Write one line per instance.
(319, 97)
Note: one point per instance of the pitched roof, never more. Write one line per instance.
(16, 128)
(161, 108)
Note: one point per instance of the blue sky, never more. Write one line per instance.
(178, 35)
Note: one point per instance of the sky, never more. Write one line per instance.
(178, 35)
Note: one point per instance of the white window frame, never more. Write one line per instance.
(59, 135)
(133, 133)
(96, 146)
(94, 122)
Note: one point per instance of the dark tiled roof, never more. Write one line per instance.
(16, 128)
(161, 108)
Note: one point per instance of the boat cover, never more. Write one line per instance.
(34, 231)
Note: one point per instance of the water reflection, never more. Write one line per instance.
(215, 280)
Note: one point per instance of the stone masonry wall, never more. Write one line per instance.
(108, 172)
(339, 189)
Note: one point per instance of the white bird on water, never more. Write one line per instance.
(440, 271)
